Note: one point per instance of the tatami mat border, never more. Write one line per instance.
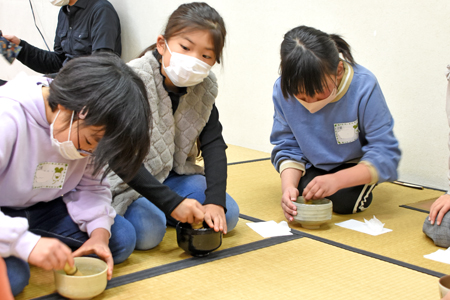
(418, 209)
(187, 263)
(414, 208)
(356, 250)
(427, 187)
(217, 255)
(248, 161)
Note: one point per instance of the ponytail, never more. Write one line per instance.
(308, 57)
(343, 48)
(196, 16)
(149, 48)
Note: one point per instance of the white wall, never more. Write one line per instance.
(405, 44)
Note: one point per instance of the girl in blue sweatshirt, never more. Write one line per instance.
(332, 132)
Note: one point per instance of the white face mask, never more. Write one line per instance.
(318, 105)
(185, 70)
(59, 2)
(66, 149)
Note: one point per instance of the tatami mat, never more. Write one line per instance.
(41, 282)
(327, 263)
(259, 196)
(237, 154)
(298, 269)
(423, 206)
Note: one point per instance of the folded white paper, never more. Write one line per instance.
(271, 228)
(440, 256)
(373, 226)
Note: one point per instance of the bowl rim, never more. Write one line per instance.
(328, 201)
(186, 228)
(104, 269)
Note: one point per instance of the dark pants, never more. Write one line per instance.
(345, 201)
(2, 82)
(51, 219)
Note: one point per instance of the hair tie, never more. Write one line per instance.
(82, 114)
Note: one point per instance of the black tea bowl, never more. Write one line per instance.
(198, 242)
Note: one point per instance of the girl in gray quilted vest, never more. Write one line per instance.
(171, 185)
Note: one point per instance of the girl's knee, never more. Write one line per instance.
(149, 223)
(123, 240)
(440, 234)
(352, 200)
(18, 274)
(189, 186)
(350, 208)
(148, 237)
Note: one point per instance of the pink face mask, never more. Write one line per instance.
(314, 107)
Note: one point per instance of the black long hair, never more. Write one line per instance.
(196, 16)
(114, 98)
(308, 57)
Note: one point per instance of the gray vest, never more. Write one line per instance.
(173, 136)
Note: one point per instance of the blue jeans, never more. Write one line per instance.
(51, 219)
(150, 222)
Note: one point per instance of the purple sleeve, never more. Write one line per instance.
(89, 204)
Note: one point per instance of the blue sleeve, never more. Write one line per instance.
(282, 137)
(381, 148)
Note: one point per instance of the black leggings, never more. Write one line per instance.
(345, 201)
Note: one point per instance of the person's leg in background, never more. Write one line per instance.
(51, 219)
(440, 234)
(194, 186)
(346, 201)
(148, 221)
(18, 274)
(121, 243)
(2, 82)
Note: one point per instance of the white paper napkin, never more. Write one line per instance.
(373, 226)
(271, 228)
(440, 256)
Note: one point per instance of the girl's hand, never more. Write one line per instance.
(321, 186)
(439, 208)
(446, 297)
(98, 244)
(290, 178)
(189, 211)
(12, 38)
(215, 217)
(290, 194)
(50, 254)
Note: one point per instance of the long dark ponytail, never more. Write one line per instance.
(196, 16)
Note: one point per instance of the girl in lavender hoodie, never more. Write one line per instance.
(56, 137)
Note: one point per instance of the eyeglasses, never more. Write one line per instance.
(81, 151)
